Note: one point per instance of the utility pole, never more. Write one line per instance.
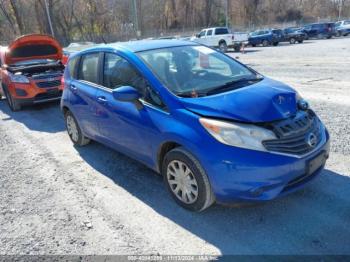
(226, 14)
(136, 19)
(340, 9)
(49, 17)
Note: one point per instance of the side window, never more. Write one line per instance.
(209, 32)
(118, 72)
(88, 70)
(201, 34)
(221, 31)
(72, 65)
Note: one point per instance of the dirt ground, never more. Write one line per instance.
(59, 199)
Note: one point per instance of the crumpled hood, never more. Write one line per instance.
(265, 101)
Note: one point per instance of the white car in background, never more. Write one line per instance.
(220, 37)
(342, 28)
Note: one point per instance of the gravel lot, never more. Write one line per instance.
(58, 199)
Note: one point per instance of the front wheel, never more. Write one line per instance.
(300, 41)
(292, 41)
(74, 131)
(186, 180)
(12, 103)
(275, 43)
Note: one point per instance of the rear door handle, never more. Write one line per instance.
(101, 100)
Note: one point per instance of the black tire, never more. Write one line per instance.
(275, 43)
(237, 48)
(292, 41)
(300, 41)
(253, 45)
(338, 34)
(265, 43)
(223, 46)
(12, 103)
(79, 139)
(205, 196)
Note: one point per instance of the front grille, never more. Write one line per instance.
(50, 95)
(49, 84)
(294, 134)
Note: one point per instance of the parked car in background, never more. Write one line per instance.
(220, 37)
(294, 35)
(342, 28)
(215, 129)
(265, 37)
(319, 30)
(31, 71)
(71, 49)
(77, 44)
(3, 50)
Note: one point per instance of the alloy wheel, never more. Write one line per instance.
(72, 128)
(182, 182)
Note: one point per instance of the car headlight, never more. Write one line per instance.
(301, 102)
(239, 135)
(17, 78)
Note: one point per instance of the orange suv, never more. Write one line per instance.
(31, 71)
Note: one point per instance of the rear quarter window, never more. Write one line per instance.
(221, 31)
(72, 66)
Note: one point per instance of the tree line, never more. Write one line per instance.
(118, 20)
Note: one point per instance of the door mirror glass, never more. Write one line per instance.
(126, 94)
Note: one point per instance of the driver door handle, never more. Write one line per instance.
(101, 100)
(73, 88)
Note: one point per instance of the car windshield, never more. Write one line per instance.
(192, 71)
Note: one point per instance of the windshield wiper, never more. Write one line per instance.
(191, 94)
(233, 85)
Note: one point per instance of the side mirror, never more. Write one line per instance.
(198, 35)
(128, 94)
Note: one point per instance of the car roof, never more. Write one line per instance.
(144, 45)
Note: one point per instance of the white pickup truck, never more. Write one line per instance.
(220, 37)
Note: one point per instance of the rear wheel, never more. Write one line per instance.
(300, 41)
(74, 131)
(186, 180)
(12, 103)
(237, 48)
(265, 43)
(223, 46)
(275, 43)
(253, 45)
(292, 41)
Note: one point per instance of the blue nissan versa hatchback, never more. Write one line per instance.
(214, 128)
